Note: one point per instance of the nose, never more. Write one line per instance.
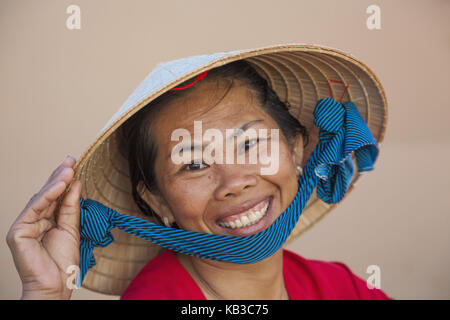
(234, 180)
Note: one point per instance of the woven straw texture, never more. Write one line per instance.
(298, 73)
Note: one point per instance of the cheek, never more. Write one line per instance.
(188, 200)
(286, 177)
(286, 169)
(279, 155)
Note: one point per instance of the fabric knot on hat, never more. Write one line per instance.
(96, 222)
(98, 219)
(342, 130)
(329, 115)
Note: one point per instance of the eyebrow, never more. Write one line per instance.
(236, 133)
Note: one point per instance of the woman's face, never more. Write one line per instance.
(219, 198)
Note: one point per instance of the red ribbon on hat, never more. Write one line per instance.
(337, 81)
(203, 75)
(199, 77)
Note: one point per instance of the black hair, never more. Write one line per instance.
(138, 145)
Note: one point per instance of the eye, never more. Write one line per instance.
(248, 144)
(195, 166)
(251, 143)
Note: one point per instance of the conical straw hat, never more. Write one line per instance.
(298, 73)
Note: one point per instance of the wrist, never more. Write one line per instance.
(44, 295)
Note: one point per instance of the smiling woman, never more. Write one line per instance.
(222, 224)
(209, 198)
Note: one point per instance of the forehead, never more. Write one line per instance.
(218, 104)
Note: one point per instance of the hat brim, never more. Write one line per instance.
(298, 73)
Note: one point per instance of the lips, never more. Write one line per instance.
(246, 215)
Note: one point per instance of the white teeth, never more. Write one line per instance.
(251, 218)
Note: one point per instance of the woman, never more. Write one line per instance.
(201, 195)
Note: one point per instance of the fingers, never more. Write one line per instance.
(69, 211)
(39, 205)
(37, 216)
(68, 162)
(23, 231)
(35, 230)
(42, 205)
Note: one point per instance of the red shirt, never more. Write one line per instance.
(165, 278)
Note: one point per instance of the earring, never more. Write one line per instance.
(299, 170)
(166, 222)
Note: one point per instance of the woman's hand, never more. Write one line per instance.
(45, 243)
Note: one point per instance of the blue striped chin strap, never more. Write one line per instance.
(330, 168)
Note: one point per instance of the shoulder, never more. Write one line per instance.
(316, 279)
(163, 278)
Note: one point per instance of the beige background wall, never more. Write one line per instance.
(59, 87)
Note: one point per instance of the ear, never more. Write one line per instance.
(297, 151)
(313, 138)
(157, 203)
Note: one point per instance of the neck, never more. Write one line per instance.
(262, 280)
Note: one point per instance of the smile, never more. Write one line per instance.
(246, 218)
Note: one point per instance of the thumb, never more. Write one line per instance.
(69, 212)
